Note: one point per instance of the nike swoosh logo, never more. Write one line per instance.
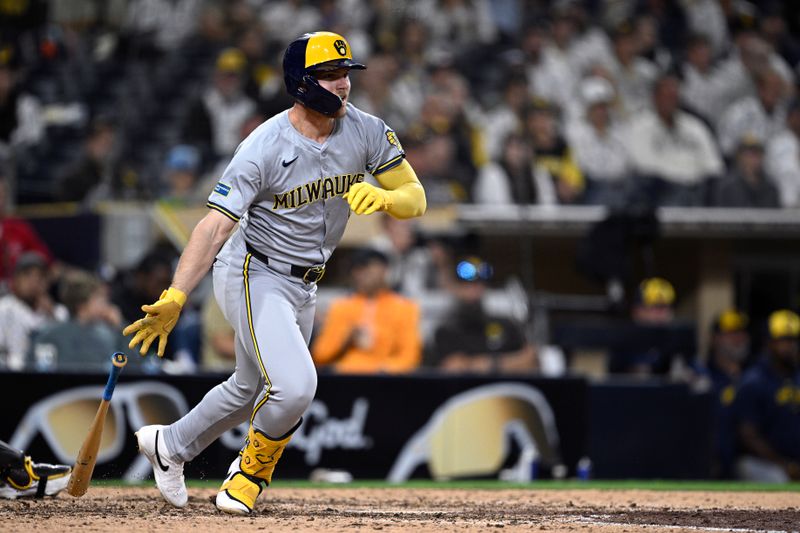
(158, 457)
(287, 163)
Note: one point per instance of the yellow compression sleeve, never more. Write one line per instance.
(405, 191)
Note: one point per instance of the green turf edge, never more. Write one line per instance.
(666, 485)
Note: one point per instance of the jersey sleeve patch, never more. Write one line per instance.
(392, 138)
(222, 189)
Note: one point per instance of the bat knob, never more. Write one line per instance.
(119, 359)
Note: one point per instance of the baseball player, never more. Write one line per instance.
(291, 186)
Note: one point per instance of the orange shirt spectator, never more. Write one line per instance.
(375, 329)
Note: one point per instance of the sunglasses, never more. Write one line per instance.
(471, 433)
(64, 418)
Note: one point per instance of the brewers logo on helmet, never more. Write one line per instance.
(314, 52)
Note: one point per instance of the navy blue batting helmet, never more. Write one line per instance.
(310, 53)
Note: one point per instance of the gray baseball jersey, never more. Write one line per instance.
(287, 192)
(287, 189)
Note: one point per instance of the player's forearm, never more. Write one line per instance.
(407, 196)
(408, 201)
(205, 242)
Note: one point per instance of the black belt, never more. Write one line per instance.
(308, 274)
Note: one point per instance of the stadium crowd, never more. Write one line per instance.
(618, 103)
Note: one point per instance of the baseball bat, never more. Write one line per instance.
(87, 456)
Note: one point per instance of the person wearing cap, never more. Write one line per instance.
(213, 121)
(644, 353)
(26, 308)
(473, 340)
(599, 145)
(730, 348)
(374, 330)
(767, 406)
(746, 185)
(181, 174)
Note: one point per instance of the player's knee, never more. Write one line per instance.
(300, 394)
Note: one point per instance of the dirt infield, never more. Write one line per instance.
(394, 510)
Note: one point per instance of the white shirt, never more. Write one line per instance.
(782, 165)
(602, 157)
(552, 78)
(227, 117)
(17, 322)
(748, 117)
(634, 84)
(684, 154)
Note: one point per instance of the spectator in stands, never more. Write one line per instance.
(21, 122)
(673, 151)
(472, 340)
(214, 120)
(159, 26)
(703, 87)
(550, 76)
(599, 146)
(85, 341)
(412, 269)
(181, 176)
(763, 115)
(457, 26)
(375, 329)
(375, 93)
(17, 236)
(558, 178)
(511, 180)
(746, 185)
(730, 348)
(767, 407)
(505, 118)
(782, 160)
(633, 75)
(26, 308)
(143, 284)
(97, 175)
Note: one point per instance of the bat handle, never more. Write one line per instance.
(118, 360)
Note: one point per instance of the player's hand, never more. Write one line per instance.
(365, 198)
(159, 321)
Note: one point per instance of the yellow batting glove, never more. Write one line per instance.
(159, 321)
(365, 199)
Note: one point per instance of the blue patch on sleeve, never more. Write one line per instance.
(221, 188)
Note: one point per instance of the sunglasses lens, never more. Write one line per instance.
(157, 409)
(473, 440)
(70, 422)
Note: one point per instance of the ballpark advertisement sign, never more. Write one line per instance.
(373, 427)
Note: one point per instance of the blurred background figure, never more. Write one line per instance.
(85, 341)
(413, 268)
(672, 151)
(17, 236)
(98, 175)
(747, 185)
(25, 309)
(646, 350)
(728, 355)
(767, 407)
(473, 340)
(134, 288)
(373, 330)
(599, 146)
(213, 121)
(782, 159)
(180, 180)
(559, 179)
(219, 340)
